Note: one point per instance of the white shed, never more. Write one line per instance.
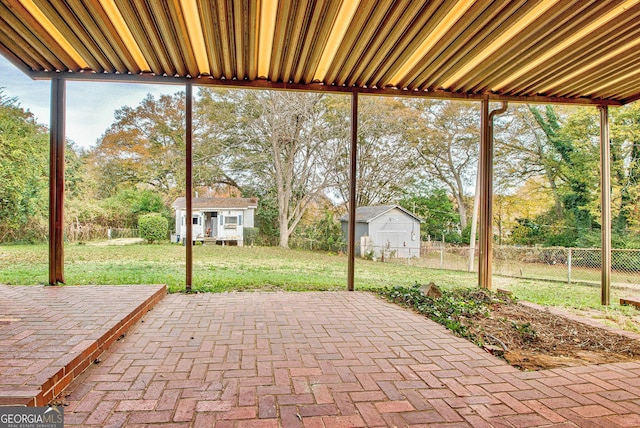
(386, 229)
(216, 220)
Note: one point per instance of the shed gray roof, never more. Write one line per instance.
(366, 214)
(217, 203)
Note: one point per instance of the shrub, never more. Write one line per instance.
(369, 255)
(153, 227)
(326, 234)
(250, 235)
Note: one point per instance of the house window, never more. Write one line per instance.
(240, 220)
(221, 217)
(196, 220)
(230, 222)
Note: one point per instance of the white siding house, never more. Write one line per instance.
(216, 220)
(386, 229)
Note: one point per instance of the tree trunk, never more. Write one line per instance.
(559, 210)
(462, 210)
(284, 233)
(474, 222)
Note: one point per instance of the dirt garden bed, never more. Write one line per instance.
(526, 337)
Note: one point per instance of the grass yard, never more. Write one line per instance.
(454, 259)
(215, 268)
(220, 269)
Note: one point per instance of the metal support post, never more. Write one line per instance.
(56, 181)
(486, 192)
(188, 240)
(605, 204)
(569, 262)
(351, 236)
(484, 167)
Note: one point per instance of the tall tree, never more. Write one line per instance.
(446, 135)
(144, 145)
(561, 145)
(529, 201)
(436, 210)
(282, 141)
(524, 151)
(387, 164)
(23, 173)
(625, 168)
(215, 129)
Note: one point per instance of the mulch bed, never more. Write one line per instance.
(532, 339)
(526, 337)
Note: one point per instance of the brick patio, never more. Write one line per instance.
(49, 335)
(329, 359)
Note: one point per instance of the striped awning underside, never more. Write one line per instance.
(584, 51)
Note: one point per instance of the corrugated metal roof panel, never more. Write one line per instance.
(553, 50)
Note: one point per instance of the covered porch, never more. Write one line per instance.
(329, 359)
(333, 359)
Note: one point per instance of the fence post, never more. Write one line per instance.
(442, 253)
(569, 266)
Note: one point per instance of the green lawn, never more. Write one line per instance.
(215, 268)
(222, 269)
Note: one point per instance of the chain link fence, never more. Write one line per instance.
(89, 232)
(569, 265)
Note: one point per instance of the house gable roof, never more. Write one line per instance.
(367, 214)
(216, 203)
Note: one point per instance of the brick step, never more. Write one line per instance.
(52, 334)
(634, 301)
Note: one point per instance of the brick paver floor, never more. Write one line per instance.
(49, 335)
(329, 359)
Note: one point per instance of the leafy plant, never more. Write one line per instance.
(153, 227)
(455, 309)
(524, 329)
(23, 174)
(127, 205)
(436, 210)
(326, 233)
(250, 235)
(369, 255)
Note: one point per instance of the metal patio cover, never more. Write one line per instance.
(584, 51)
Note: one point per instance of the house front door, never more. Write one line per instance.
(214, 225)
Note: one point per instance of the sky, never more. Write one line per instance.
(90, 105)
